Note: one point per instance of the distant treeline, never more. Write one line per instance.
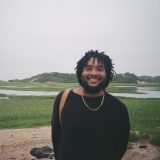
(66, 77)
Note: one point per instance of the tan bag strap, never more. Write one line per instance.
(62, 102)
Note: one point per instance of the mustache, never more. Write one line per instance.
(91, 89)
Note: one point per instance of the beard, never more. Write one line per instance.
(90, 89)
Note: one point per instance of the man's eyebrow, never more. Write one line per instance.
(88, 65)
(100, 65)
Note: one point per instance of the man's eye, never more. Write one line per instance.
(87, 68)
(101, 69)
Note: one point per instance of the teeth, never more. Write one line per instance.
(93, 79)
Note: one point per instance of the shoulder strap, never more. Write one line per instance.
(62, 102)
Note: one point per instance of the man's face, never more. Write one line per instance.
(93, 76)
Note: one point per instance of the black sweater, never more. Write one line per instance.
(88, 135)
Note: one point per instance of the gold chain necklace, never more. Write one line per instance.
(93, 109)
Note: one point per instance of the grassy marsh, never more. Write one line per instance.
(54, 86)
(145, 119)
(25, 111)
(31, 111)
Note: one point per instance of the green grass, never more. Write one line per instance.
(145, 118)
(35, 86)
(29, 111)
(114, 89)
(53, 86)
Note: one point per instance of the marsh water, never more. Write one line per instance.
(142, 92)
(146, 92)
(28, 93)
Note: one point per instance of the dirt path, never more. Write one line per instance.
(15, 144)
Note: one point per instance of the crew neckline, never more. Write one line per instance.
(87, 96)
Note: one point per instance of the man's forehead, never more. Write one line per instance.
(94, 60)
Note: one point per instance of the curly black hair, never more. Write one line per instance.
(102, 58)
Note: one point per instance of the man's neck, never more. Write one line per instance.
(89, 94)
(82, 92)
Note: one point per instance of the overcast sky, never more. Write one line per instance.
(38, 36)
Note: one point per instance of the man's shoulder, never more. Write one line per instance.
(114, 100)
(61, 93)
(117, 105)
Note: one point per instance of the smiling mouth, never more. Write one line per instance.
(93, 80)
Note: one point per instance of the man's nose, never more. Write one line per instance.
(93, 71)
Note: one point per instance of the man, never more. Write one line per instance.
(94, 124)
